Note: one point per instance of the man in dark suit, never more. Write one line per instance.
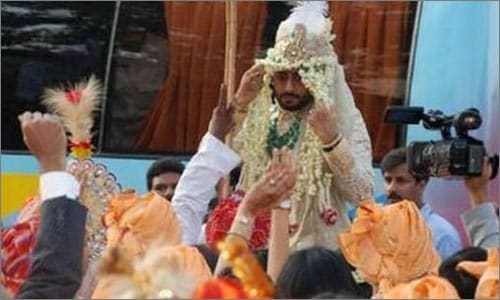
(56, 271)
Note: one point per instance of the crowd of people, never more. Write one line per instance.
(303, 155)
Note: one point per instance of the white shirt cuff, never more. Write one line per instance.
(58, 184)
(224, 157)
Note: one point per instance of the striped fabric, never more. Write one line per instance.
(222, 217)
(18, 242)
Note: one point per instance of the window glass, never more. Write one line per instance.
(167, 63)
(46, 44)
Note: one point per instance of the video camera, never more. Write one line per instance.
(462, 155)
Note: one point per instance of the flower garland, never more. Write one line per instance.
(246, 268)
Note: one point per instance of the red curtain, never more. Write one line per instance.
(182, 110)
(373, 42)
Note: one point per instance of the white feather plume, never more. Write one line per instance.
(77, 116)
(311, 13)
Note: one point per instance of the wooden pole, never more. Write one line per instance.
(229, 73)
(227, 44)
(232, 48)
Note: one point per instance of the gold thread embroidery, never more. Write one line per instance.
(295, 51)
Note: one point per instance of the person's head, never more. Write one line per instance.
(314, 271)
(399, 183)
(396, 240)
(332, 295)
(290, 91)
(163, 175)
(464, 282)
(141, 223)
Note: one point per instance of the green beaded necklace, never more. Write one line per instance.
(288, 139)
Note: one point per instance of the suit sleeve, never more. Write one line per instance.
(56, 271)
(481, 224)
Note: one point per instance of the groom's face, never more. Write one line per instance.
(291, 93)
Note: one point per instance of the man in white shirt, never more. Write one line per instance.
(213, 161)
(163, 175)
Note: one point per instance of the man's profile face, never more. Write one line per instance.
(165, 184)
(291, 93)
(400, 185)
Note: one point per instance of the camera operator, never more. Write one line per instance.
(481, 221)
(400, 184)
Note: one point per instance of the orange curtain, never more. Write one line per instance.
(373, 42)
(182, 110)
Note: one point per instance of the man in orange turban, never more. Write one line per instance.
(135, 223)
(164, 272)
(428, 287)
(389, 245)
(486, 272)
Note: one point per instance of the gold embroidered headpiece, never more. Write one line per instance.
(303, 39)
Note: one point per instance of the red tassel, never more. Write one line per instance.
(83, 145)
(330, 216)
(74, 96)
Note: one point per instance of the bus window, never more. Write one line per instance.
(46, 44)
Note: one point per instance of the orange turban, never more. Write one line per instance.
(486, 272)
(389, 245)
(428, 287)
(136, 222)
(165, 272)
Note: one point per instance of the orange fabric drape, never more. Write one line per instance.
(182, 110)
(373, 43)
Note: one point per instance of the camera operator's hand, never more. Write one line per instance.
(45, 137)
(477, 187)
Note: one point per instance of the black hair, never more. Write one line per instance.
(397, 157)
(314, 271)
(209, 255)
(332, 295)
(234, 176)
(161, 166)
(211, 206)
(363, 288)
(464, 283)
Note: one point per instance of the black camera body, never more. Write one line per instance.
(457, 156)
(454, 157)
